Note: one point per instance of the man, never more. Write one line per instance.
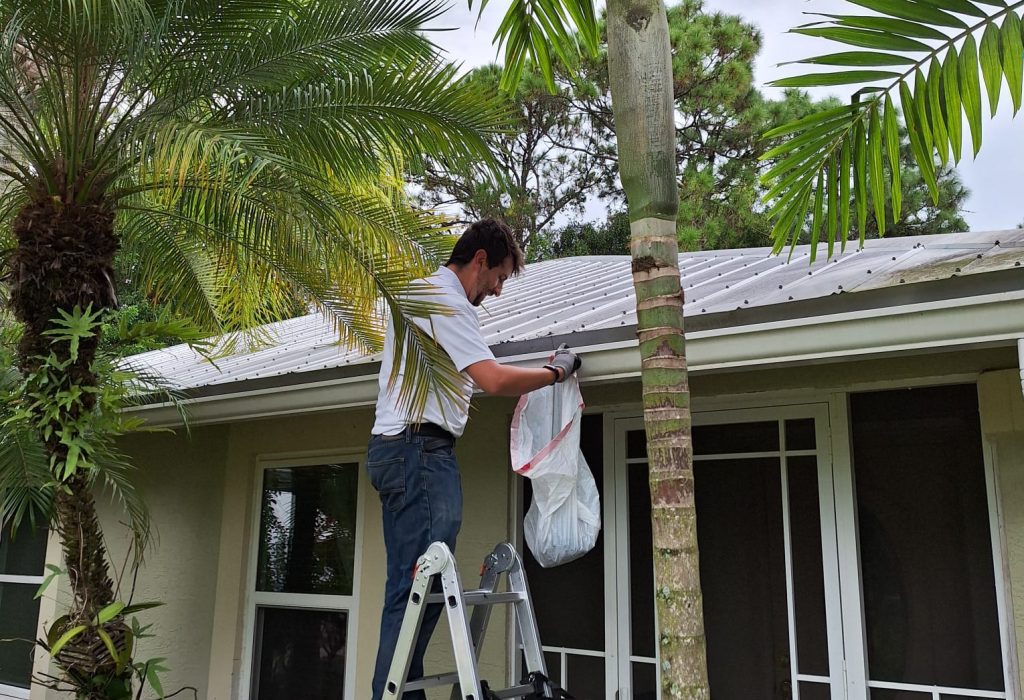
(411, 463)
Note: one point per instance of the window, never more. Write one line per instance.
(22, 558)
(930, 607)
(303, 614)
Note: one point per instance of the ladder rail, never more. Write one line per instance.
(408, 633)
(462, 640)
(526, 620)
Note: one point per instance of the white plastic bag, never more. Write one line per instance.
(565, 517)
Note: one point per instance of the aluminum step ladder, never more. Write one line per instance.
(468, 634)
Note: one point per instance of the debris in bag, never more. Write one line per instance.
(565, 516)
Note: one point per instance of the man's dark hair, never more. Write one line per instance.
(492, 236)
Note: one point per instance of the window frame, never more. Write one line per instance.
(11, 691)
(254, 599)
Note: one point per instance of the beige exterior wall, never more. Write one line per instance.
(203, 494)
(182, 480)
(485, 487)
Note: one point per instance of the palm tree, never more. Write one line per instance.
(640, 72)
(933, 57)
(251, 155)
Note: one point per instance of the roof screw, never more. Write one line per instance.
(894, 257)
(979, 256)
(780, 286)
(902, 280)
(745, 301)
(840, 286)
(703, 310)
(791, 298)
(958, 269)
(869, 272)
(997, 243)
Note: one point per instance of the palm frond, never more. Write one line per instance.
(354, 121)
(26, 484)
(254, 151)
(426, 367)
(268, 44)
(926, 53)
(533, 30)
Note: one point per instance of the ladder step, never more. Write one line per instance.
(481, 597)
(518, 691)
(452, 678)
(432, 681)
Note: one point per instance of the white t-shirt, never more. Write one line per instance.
(458, 335)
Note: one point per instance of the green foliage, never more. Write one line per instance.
(243, 194)
(610, 237)
(113, 620)
(721, 156)
(533, 30)
(544, 168)
(53, 427)
(938, 84)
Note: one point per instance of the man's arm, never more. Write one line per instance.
(502, 380)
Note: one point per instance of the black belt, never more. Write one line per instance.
(429, 430)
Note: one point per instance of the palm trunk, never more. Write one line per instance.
(640, 72)
(63, 259)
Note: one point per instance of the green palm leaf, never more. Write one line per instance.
(532, 30)
(942, 61)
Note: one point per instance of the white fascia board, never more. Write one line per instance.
(970, 321)
(957, 323)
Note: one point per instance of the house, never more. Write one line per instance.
(859, 442)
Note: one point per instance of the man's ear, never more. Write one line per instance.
(480, 256)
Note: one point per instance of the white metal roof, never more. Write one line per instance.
(562, 297)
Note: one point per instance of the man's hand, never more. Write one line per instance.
(564, 362)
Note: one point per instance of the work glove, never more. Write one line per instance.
(564, 362)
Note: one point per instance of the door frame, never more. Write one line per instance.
(848, 667)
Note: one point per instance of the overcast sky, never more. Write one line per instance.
(996, 178)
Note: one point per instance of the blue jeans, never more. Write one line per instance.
(421, 497)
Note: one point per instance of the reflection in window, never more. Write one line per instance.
(308, 530)
(301, 654)
(20, 556)
(925, 543)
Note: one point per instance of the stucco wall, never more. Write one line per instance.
(1002, 421)
(182, 480)
(485, 486)
(202, 493)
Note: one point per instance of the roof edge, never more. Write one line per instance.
(983, 320)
